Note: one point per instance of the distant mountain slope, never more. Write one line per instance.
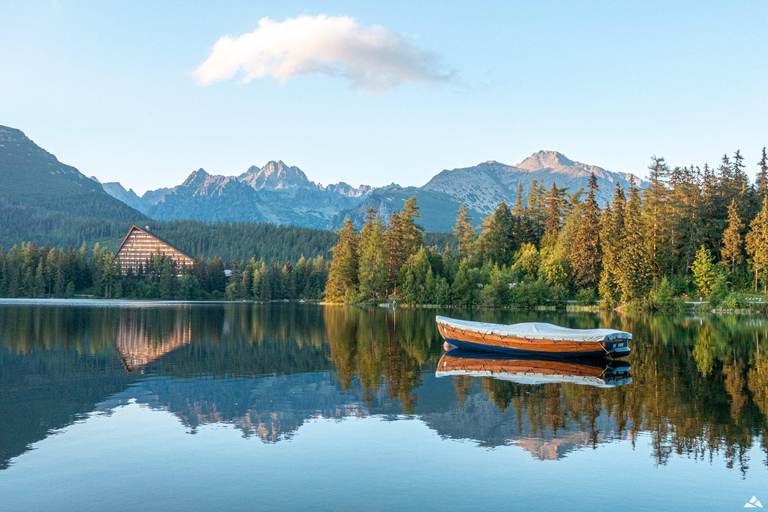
(438, 210)
(482, 187)
(142, 203)
(44, 200)
(485, 185)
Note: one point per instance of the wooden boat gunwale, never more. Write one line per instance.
(476, 339)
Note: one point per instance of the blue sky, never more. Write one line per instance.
(109, 88)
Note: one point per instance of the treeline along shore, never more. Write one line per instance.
(694, 234)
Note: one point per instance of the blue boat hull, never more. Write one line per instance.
(611, 350)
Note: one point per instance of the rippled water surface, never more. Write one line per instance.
(297, 406)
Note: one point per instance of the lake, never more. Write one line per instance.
(152, 406)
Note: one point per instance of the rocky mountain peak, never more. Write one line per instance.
(545, 160)
(196, 178)
(275, 176)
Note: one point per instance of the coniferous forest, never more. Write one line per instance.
(692, 234)
(695, 233)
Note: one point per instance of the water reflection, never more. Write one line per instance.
(597, 372)
(145, 335)
(699, 387)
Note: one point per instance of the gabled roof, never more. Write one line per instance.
(137, 228)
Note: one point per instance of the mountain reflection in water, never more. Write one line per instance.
(699, 387)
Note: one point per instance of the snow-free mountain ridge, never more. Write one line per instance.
(283, 194)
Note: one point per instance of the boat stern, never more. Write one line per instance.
(617, 349)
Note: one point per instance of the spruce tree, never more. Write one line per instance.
(762, 177)
(611, 240)
(343, 278)
(553, 216)
(732, 242)
(633, 271)
(704, 271)
(587, 254)
(169, 283)
(757, 244)
(396, 256)
(373, 263)
(465, 232)
(496, 243)
(655, 219)
(412, 233)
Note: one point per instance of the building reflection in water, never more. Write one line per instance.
(142, 338)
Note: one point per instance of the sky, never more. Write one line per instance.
(379, 92)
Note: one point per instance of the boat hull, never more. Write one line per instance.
(536, 370)
(512, 345)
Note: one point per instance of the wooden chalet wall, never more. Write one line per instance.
(140, 246)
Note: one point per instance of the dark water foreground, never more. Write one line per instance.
(291, 406)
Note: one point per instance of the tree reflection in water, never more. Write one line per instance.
(699, 389)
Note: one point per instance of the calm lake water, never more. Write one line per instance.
(296, 406)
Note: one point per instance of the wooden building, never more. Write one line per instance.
(140, 246)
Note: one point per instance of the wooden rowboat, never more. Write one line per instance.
(534, 338)
(533, 370)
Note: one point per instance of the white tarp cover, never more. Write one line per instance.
(536, 330)
(535, 379)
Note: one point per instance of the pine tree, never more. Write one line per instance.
(634, 274)
(412, 232)
(343, 278)
(169, 283)
(587, 254)
(762, 177)
(655, 217)
(757, 244)
(553, 216)
(396, 256)
(465, 232)
(373, 262)
(462, 286)
(40, 280)
(496, 243)
(731, 251)
(612, 244)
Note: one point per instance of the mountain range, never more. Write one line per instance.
(275, 193)
(33, 179)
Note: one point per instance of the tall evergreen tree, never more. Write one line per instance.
(373, 262)
(761, 184)
(757, 244)
(553, 216)
(587, 254)
(343, 277)
(412, 233)
(396, 255)
(496, 243)
(634, 272)
(465, 232)
(655, 219)
(704, 271)
(732, 242)
(612, 244)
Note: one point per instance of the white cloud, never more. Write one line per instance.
(371, 58)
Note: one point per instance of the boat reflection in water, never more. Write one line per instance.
(594, 372)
